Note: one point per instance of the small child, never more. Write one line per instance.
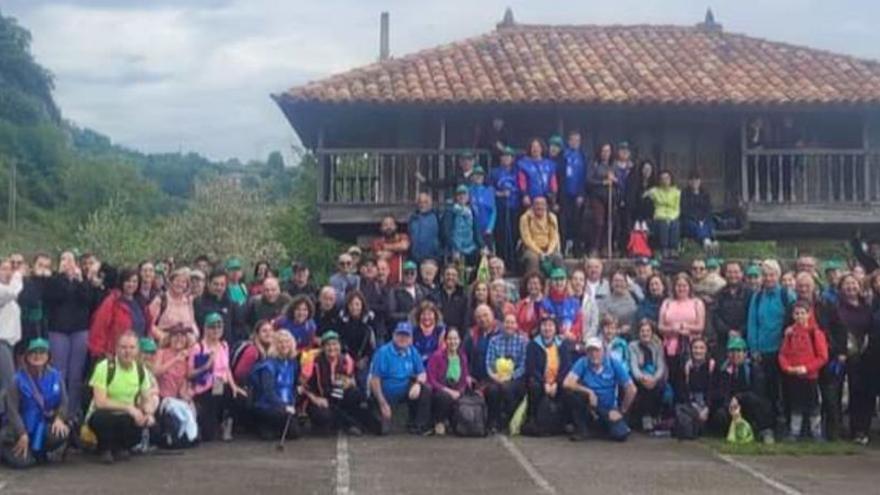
(615, 345)
(803, 353)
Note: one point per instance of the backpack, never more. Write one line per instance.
(111, 372)
(548, 418)
(177, 424)
(638, 245)
(687, 422)
(470, 416)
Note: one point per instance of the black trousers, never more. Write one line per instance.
(862, 396)
(442, 406)
(506, 234)
(648, 402)
(502, 399)
(757, 410)
(418, 417)
(115, 430)
(830, 388)
(346, 412)
(773, 386)
(211, 410)
(802, 395)
(571, 216)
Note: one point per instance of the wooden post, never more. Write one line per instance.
(866, 182)
(441, 157)
(744, 159)
(322, 172)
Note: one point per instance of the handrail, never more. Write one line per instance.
(806, 151)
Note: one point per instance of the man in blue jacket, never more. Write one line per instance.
(508, 203)
(460, 229)
(572, 185)
(424, 231)
(483, 204)
(769, 312)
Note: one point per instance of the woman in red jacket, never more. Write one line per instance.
(118, 313)
(803, 353)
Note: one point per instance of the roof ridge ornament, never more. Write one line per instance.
(709, 23)
(507, 21)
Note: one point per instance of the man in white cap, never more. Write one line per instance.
(593, 393)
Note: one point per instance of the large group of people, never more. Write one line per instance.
(127, 360)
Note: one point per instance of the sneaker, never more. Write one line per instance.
(767, 437)
(647, 424)
(354, 431)
(227, 430)
(861, 440)
(106, 457)
(440, 429)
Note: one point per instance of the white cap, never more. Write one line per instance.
(594, 343)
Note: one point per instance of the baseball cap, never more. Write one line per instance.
(38, 345)
(737, 344)
(147, 345)
(594, 343)
(558, 274)
(213, 319)
(233, 264)
(404, 327)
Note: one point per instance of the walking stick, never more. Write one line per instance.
(280, 446)
(610, 216)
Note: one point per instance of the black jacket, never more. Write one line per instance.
(234, 329)
(695, 206)
(454, 308)
(307, 290)
(400, 303)
(729, 382)
(69, 304)
(730, 312)
(326, 320)
(377, 302)
(358, 337)
(536, 362)
(642, 208)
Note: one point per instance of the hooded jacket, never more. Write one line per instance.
(112, 319)
(637, 360)
(461, 230)
(804, 346)
(768, 316)
(536, 360)
(273, 383)
(483, 205)
(424, 234)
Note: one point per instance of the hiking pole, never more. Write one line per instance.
(280, 446)
(610, 216)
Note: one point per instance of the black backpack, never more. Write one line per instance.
(470, 416)
(548, 418)
(687, 422)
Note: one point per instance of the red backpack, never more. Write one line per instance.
(638, 246)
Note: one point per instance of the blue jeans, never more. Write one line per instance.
(667, 234)
(699, 230)
(69, 356)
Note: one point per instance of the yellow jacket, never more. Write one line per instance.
(539, 235)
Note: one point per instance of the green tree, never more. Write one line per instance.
(116, 235)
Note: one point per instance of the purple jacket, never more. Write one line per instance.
(437, 364)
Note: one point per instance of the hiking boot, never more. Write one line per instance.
(106, 457)
(767, 437)
(647, 424)
(354, 431)
(226, 435)
(861, 440)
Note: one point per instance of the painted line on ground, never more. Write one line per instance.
(539, 480)
(343, 470)
(754, 473)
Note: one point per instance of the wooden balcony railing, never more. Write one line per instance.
(383, 176)
(810, 176)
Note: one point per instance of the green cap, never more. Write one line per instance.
(655, 263)
(462, 189)
(147, 345)
(832, 265)
(328, 336)
(467, 154)
(213, 319)
(558, 274)
(556, 140)
(737, 344)
(623, 145)
(233, 264)
(713, 263)
(410, 265)
(753, 271)
(478, 170)
(38, 345)
(507, 150)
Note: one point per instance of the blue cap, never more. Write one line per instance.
(404, 327)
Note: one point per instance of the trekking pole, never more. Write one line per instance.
(610, 217)
(280, 446)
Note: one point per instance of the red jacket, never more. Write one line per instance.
(804, 346)
(112, 319)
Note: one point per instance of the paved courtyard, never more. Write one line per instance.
(403, 464)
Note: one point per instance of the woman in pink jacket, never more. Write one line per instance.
(682, 317)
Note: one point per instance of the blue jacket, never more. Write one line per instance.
(273, 383)
(505, 180)
(462, 234)
(539, 175)
(37, 417)
(424, 234)
(649, 308)
(483, 204)
(768, 316)
(575, 173)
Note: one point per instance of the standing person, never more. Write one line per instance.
(10, 320)
(216, 300)
(530, 305)
(357, 333)
(214, 387)
(620, 303)
(856, 317)
(563, 308)
(37, 429)
(429, 330)
(496, 138)
(327, 311)
(298, 320)
(803, 353)
(769, 313)
(483, 204)
(655, 294)
(452, 300)
(120, 407)
(262, 270)
(505, 367)
(375, 294)
(235, 286)
(403, 298)
(696, 213)
(396, 375)
(301, 283)
(600, 184)
(68, 299)
(196, 284)
(548, 358)
(274, 389)
(343, 280)
(334, 398)
(119, 313)
(667, 209)
(498, 271)
(268, 305)
(536, 175)
(648, 367)
(424, 230)
(572, 185)
(593, 392)
(32, 297)
(730, 309)
(622, 167)
(392, 246)
(173, 307)
(539, 229)
(682, 318)
(460, 229)
(641, 208)
(448, 379)
(148, 290)
(508, 203)
(461, 175)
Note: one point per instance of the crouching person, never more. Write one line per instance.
(273, 385)
(648, 366)
(548, 358)
(592, 388)
(177, 413)
(739, 379)
(36, 408)
(335, 402)
(506, 367)
(448, 378)
(397, 374)
(121, 406)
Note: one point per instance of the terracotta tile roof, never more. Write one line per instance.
(640, 64)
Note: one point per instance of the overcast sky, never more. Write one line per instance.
(168, 75)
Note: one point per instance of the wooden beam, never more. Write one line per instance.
(744, 160)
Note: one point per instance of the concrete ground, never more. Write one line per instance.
(405, 464)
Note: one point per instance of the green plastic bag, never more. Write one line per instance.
(518, 418)
(740, 432)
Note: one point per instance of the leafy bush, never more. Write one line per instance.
(116, 235)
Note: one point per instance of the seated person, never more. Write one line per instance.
(616, 346)
(562, 307)
(505, 367)
(592, 392)
(448, 378)
(647, 365)
(273, 386)
(36, 407)
(396, 375)
(696, 213)
(548, 358)
(335, 402)
(738, 378)
(177, 412)
(539, 231)
(120, 406)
